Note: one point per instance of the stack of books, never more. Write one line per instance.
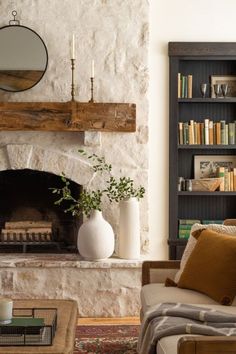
(207, 132)
(185, 226)
(185, 86)
(228, 179)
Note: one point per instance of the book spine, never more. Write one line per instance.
(190, 86)
(226, 179)
(191, 132)
(211, 132)
(184, 233)
(189, 221)
(182, 86)
(214, 133)
(202, 132)
(206, 131)
(231, 133)
(198, 134)
(195, 133)
(221, 174)
(181, 138)
(231, 181)
(222, 132)
(185, 227)
(234, 173)
(179, 85)
(218, 133)
(186, 134)
(226, 134)
(185, 87)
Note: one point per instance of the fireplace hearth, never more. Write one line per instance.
(29, 219)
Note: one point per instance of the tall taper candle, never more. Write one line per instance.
(73, 47)
(92, 69)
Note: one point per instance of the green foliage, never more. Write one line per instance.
(116, 190)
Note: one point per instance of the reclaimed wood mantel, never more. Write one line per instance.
(68, 116)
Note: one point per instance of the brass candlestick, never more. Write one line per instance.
(72, 80)
(91, 99)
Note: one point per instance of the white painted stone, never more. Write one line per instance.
(92, 138)
(4, 161)
(19, 155)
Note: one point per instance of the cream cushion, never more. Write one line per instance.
(168, 345)
(152, 294)
(228, 230)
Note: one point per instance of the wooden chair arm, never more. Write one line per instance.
(148, 265)
(207, 345)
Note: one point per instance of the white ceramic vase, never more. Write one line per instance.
(129, 229)
(96, 238)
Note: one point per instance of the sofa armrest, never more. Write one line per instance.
(149, 266)
(207, 345)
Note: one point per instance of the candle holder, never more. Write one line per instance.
(72, 79)
(91, 99)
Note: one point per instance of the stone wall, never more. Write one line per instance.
(115, 34)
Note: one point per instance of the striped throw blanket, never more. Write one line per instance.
(167, 319)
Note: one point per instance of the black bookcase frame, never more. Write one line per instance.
(201, 59)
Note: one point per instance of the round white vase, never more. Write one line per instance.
(129, 229)
(96, 238)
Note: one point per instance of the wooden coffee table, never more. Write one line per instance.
(63, 342)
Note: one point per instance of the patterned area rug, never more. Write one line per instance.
(106, 339)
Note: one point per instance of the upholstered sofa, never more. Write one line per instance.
(154, 274)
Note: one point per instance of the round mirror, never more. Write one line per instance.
(23, 58)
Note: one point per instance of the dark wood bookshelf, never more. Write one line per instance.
(201, 60)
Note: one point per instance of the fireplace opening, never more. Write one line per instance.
(29, 219)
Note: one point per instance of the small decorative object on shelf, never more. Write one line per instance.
(229, 88)
(205, 184)
(203, 89)
(5, 310)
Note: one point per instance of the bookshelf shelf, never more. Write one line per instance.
(207, 100)
(197, 62)
(206, 147)
(211, 194)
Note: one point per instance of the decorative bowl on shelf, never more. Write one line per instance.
(205, 184)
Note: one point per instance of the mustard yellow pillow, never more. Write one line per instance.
(211, 267)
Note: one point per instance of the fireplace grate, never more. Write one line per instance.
(25, 244)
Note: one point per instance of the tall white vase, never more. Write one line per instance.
(96, 238)
(129, 229)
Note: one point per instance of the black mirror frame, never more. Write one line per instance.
(30, 29)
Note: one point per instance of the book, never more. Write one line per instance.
(189, 221)
(231, 133)
(184, 233)
(226, 134)
(190, 86)
(210, 132)
(218, 133)
(191, 132)
(212, 222)
(221, 174)
(185, 227)
(231, 181)
(202, 133)
(222, 131)
(234, 178)
(206, 130)
(185, 133)
(226, 180)
(181, 140)
(179, 85)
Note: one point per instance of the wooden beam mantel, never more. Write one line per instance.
(68, 116)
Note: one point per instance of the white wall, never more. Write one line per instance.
(172, 20)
